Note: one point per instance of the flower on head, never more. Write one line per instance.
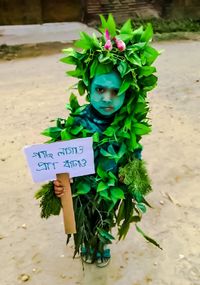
(108, 45)
(120, 44)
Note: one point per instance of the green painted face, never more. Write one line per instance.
(104, 93)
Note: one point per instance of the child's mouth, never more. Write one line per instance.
(107, 109)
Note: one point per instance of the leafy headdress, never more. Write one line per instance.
(109, 199)
(128, 51)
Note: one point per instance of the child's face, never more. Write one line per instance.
(104, 93)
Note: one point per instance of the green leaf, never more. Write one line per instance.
(125, 85)
(69, 60)
(144, 201)
(137, 33)
(95, 137)
(141, 108)
(102, 186)
(79, 110)
(105, 153)
(122, 68)
(138, 196)
(147, 34)
(83, 188)
(95, 41)
(65, 135)
(150, 80)
(137, 46)
(53, 132)
(130, 106)
(85, 76)
(67, 106)
(128, 122)
(135, 219)
(126, 28)
(111, 149)
(122, 150)
(150, 55)
(103, 22)
(143, 59)
(141, 129)
(103, 240)
(112, 175)
(125, 37)
(125, 135)
(102, 58)
(75, 73)
(130, 109)
(134, 59)
(104, 194)
(75, 130)
(93, 68)
(103, 68)
(120, 215)
(111, 182)
(141, 207)
(81, 87)
(84, 133)
(109, 131)
(117, 193)
(146, 70)
(111, 25)
(86, 42)
(101, 172)
(135, 86)
(149, 88)
(50, 204)
(73, 101)
(123, 230)
(114, 201)
(69, 121)
(147, 237)
(133, 142)
(105, 234)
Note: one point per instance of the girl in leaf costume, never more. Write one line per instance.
(115, 71)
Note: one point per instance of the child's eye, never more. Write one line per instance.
(100, 90)
(114, 92)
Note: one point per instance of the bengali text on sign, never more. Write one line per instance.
(75, 157)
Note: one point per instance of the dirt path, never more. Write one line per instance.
(33, 91)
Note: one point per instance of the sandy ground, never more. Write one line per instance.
(34, 91)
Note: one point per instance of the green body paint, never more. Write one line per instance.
(104, 93)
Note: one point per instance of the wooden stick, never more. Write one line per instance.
(67, 204)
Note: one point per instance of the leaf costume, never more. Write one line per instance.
(114, 195)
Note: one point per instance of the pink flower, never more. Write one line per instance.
(108, 45)
(107, 35)
(120, 44)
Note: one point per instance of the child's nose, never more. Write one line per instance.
(107, 96)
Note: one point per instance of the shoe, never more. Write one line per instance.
(87, 259)
(86, 256)
(103, 260)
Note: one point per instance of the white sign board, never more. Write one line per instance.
(75, 157)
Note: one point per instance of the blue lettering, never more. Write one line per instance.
(46, 166)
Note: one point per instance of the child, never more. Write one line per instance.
(116, 73)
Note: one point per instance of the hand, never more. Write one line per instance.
(59, 189)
